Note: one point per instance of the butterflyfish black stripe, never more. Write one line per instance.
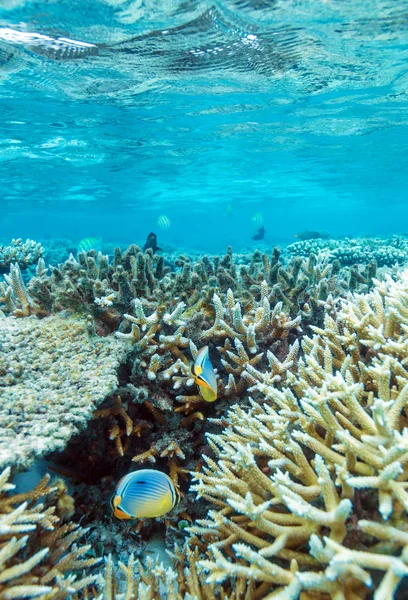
(122, 491)
(146, 496)
(151, 481)
(172, 493)
(134, 488)
(144, 484)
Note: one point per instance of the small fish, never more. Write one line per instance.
(90, 243)
(151, 243)
(229, 211)
(144, 494)
(311, 235)
(163, 222)
(260, 235)
(258, 219)
(204, 375)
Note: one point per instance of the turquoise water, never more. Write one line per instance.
(114, 112)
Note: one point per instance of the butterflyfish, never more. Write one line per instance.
(258, 219)
(144, 494)
(229, 210)
(90, 243)
(163, 222)
(204, 375)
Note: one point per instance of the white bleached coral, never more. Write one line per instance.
(310, 484)
(53, 374)
(155, 581)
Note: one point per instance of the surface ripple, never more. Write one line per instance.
(267, 104)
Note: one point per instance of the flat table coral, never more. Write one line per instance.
(53, 374)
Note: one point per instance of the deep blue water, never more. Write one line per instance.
(206, 112)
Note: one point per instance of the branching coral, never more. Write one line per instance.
(130, 434)
(39, 554)
(19, 253)
(246, 330)
(164, 350)
(280, 494)
(355, 251)
(310, 484)
(14, 296)
(154, 581)
(53, 373)
(104, 289)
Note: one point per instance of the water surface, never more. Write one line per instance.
(113, 112)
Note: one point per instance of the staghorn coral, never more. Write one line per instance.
(53, 373)
(243, 327)
(120, 430)
(166, 422)
(92, 284)
(126, 434)
(154, 581)
(19, 253)
(15, 296)
(106, 289)
(250, 312)
(309, 486)
(162, 349)
(355, 251)
(146, 441)
(39, 553)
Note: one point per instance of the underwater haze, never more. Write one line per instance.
(204, 299)
(115, 113)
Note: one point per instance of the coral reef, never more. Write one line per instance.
(53, 373)
(57, 250)
(240, 326)
(351, 251)
(154, 581)
(106, 289)
(309, 483)
(95, 368)
(39, 552)
(18, 252)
